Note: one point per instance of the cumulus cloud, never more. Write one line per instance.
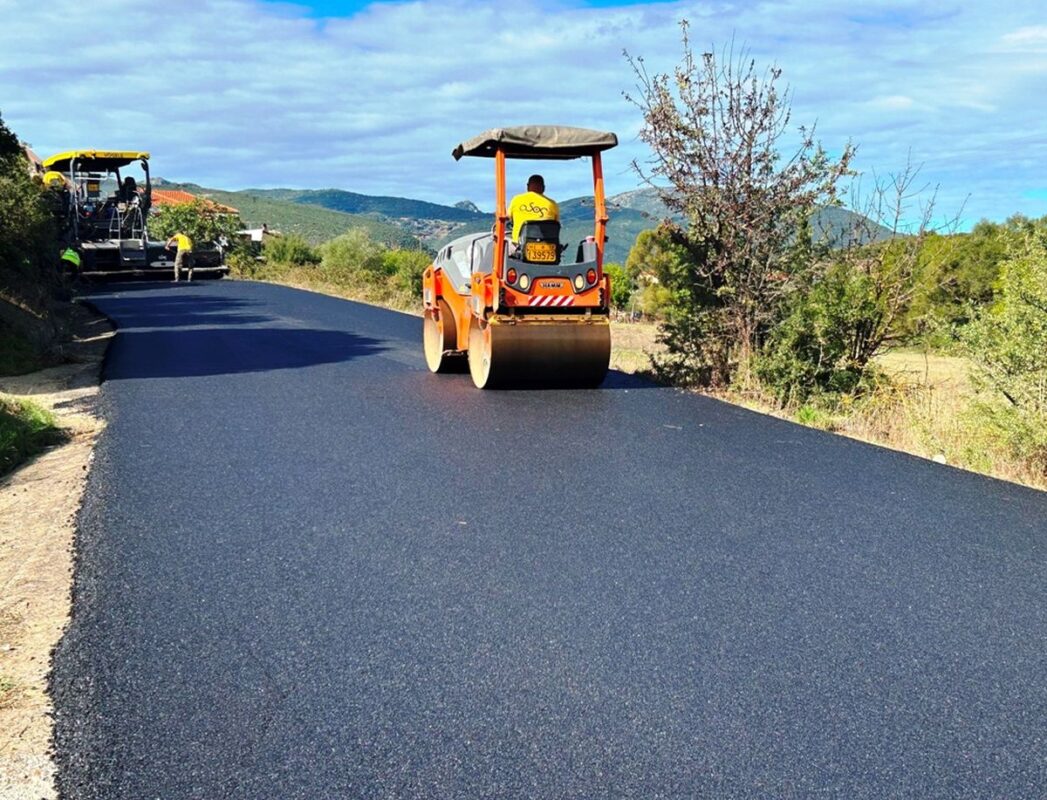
(239, 93)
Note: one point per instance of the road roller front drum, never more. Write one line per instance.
(440, 339)
(507, 353)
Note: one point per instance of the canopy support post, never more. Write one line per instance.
(600, 210)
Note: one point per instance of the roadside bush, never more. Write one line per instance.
(406, 268)
(1008, 344)
(352, 257)
(31, 287)
(352, 265)
(25, 430)
(290, 249)
(654, 300)
(244, 265)
(28, 248)
(820, 344)
(198, 220)
(622, 286)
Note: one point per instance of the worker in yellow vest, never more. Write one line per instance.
(183, 256)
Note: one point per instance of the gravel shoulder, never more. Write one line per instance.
(38, 506)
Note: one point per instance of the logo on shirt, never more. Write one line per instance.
(533, 208)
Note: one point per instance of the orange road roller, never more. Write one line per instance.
(518, 309)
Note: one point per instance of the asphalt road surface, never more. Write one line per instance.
(308, 568)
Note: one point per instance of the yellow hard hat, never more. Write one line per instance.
(53, 178)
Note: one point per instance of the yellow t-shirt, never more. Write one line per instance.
(531, 207)
(185, 244)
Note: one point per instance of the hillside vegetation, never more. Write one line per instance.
(30, 288)
(314, 223)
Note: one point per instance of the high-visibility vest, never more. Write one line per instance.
(70, 255)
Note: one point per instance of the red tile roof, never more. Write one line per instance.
(174, 197)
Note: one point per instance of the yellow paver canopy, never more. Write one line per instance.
(94, 160)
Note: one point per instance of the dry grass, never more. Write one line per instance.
(927, 410)
(633, 344)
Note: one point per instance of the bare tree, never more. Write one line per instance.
(716, 129)
(886, 245)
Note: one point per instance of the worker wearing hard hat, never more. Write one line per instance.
(183, 256)
(70, 259)
(532, 206)
(55, 180)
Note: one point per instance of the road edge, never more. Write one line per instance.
(40, 504)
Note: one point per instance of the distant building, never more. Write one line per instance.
(176, 197)
(36, 166)
(258, 235)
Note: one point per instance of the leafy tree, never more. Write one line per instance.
(10, 148)
(622, 286)
(656, 258)
(715, 129)
(656, 263)
(198, 220)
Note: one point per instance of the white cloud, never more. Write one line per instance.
(1031, 37)
(239, 93)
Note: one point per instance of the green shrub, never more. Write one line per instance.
(406, 268)
(655, 300)
(1008, 344)
(25, 430)
(28, 236)
(622, 285)
(352, 256)
(290, 249)
(818, 346)
(198, 220)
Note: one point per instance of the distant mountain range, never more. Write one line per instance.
(319, 214)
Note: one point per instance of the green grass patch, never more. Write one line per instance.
(25, 430)
(17, 356)
(7, 690)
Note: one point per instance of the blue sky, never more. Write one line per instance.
(372, 97)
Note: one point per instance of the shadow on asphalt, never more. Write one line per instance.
(180, 312)
(616, 380)
(227, 351)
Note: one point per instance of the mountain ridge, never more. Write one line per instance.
(319, 214)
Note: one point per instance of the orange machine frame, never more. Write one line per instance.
(488, 290)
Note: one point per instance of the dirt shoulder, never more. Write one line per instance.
(38, 506)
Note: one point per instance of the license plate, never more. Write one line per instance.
(540, 252)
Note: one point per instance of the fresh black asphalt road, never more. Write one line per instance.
(307, 568)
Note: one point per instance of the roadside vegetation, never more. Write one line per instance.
(899, 330)
(32, 298)
(352, 265)
(25, 430)
(30, 286)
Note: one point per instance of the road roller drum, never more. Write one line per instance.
(565, 352)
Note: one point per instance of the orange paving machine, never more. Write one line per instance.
(519, 312)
